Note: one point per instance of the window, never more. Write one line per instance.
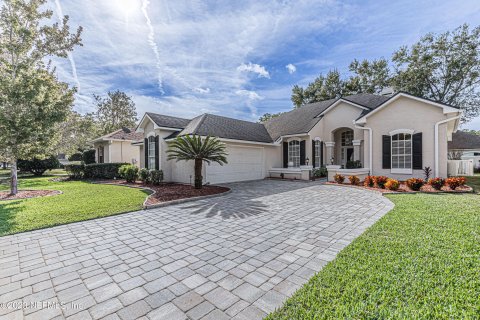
(347, 138)
(101, 157)
(402, 153)
(294, 152)
(151, 152)
(318, 152)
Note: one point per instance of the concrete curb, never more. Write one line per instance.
(180, 201)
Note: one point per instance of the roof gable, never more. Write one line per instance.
(163, 121)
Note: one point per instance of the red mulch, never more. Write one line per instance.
(404, 188)
(25, 194)
(171, 191)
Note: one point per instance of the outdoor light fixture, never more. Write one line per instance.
(307, 161)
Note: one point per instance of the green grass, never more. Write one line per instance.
(79, 201)
(420, 261)
(474, 182)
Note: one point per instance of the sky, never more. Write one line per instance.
(235, 58)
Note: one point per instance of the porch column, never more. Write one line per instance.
(356, 149)
(330, 154)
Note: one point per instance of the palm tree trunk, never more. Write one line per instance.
(198, 174)
(14, 180)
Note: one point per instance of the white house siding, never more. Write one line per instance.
(124, 151)
(405, 113)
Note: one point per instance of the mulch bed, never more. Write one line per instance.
(171, 191)
(26, 194)
(404, 188)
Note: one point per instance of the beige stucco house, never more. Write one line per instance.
(361, 134)
(118, 146)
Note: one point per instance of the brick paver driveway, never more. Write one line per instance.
(236, 256)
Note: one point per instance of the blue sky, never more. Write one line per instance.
(235, 58)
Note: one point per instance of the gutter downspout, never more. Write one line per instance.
(436, 140)
(370, 144)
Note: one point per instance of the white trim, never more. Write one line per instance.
(239, 141)
(139, 128)
(435, 172)
(336, 103)
(402, 171)
(356, 143)
(317, 139)
(397, 131)
(281, 138)
(330, 144)
(370, 145)
(446, 109)
(151, 133)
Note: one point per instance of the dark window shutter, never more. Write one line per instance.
(157, 153)
(417, 162)
(386, 152)
(285, 154)
(313, 153)
(321, 153)
(302, 152)
(145, 149)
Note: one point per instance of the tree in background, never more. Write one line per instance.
(32, 99)
(476, 132)
(441, 67)
(268, 116)
(115, 111)
(76, 132)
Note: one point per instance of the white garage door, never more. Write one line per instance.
(244, 163)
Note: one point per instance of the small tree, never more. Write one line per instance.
(198, 149)
(37, 166)
(32, 100)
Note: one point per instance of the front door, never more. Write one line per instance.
(347, 155)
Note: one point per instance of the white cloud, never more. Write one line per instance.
(255, 68)
(252, 95)
(291, 68)
(201, 90)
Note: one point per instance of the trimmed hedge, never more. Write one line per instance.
(88, 156)
(102, 170)
(38, 166)
(75, 171)
(128, 172)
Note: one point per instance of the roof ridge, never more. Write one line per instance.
(202, 119)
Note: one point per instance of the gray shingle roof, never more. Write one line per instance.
(464, 140)
(303, 119)
(228, 128)
(168, 121)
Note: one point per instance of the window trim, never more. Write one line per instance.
(297, 144)
(401, 170)
(151, 140)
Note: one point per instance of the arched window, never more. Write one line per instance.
(402, 153)
(294, 152)
(151, 152)
(347, 138)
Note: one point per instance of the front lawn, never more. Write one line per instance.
(420, 261)
(79, 201)
(474, 182)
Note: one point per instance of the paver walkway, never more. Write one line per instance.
(237, 256)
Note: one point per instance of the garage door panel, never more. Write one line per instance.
(244, 163)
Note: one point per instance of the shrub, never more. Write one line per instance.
(437, 183)
(88, 156)
(392, 184)
(144, 175)
(381, 180)
(128, 172)
(354, 180)
(338, 178)
(427, 171)
(38, 166)
(156, 176)
(75, 171)
(415, 183)
(353, 164)
(102, 170)
(75, 157)
(369, 181)
(455, 182)
(320, 172)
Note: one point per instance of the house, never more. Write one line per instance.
(360, 134)
(118, 146)
(466, 146)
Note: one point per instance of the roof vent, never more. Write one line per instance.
(387, 91)
(126, 130)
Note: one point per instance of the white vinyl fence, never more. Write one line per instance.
(460, 168)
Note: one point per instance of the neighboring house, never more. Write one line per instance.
(118, 146)
(468, 145)
(396, 136)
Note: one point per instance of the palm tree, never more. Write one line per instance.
(193, 147)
